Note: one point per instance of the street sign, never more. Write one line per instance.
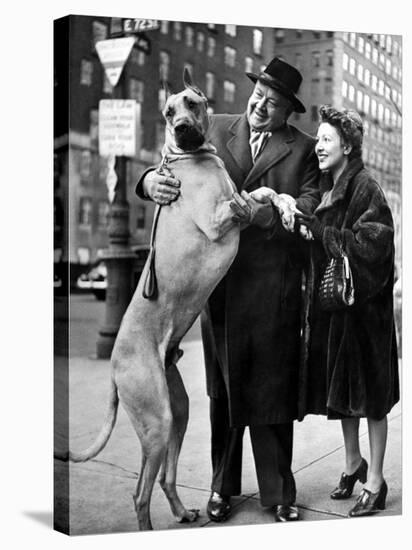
(140, 25)
(113, 55)
(117, 127)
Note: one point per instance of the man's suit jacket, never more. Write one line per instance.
(251, 327)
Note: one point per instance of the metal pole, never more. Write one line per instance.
(118, 256)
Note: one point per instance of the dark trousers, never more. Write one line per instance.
(272, 450)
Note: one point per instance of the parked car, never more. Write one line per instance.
(94, 280)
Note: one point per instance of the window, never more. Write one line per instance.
(210, 85)
(374, 83)
(136, 90)
(373, 108)
(375, 56)
(344, 88)
(103, 213)
(315, 59)
(298, 61)
(352, 65)
(351, 93)
(138, 57)
(99, 31)
(230, 56)
(382, 40)
(388, 44)
(279, 36)
(164, 27)
(361, 44)
(381, 87)
(360, 72)
(85, 211)
(359, 100)
(140, 217)
(230, 30)
(314, 88)
(387, 116)
(211, 26)
(248, 64)
(316, 34)
(189, 33)
(164, 64)
(229, 90)
(200, 42)
(329, 58)
(368, 50)
(299, 33)
(85, 165)
(211, 46)
(257, 41)
(345, 61)
(367, 77)
(177, 30)
(366, 103)
(86, 72)
(352, 39)
(314, 113)
(328, 86)
(94, 127)
(388, 66)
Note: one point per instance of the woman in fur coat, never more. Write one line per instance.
(350, 367)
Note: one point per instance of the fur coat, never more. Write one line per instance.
(349, 361)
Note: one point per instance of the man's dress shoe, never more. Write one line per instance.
(218, 507)
(287, 513)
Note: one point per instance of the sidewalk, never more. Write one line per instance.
(102, 489)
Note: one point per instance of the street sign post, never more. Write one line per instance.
(113, 54)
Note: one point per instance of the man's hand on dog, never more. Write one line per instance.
(161, 188)
(247, 210)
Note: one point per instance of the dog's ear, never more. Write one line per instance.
(188, 83)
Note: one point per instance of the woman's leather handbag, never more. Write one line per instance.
(336, 287)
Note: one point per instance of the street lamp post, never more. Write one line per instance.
(118, 256)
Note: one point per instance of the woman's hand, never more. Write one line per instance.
(312, 223)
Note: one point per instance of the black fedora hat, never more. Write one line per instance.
(283, 78)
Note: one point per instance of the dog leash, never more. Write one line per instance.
(150, 290)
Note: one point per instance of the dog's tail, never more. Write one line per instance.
(103, 437)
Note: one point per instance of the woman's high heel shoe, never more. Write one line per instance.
(347, 482)
(369, 503)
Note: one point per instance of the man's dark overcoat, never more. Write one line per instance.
(351, 365)
(251, 327)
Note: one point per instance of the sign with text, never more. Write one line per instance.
(140, 25)
(117, 127)
(113, 55)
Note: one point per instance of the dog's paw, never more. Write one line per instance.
(189, 516)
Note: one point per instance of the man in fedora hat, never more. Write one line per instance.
(251, 326)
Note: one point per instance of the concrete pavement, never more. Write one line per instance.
(101, 490)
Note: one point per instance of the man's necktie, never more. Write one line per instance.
(257, 142)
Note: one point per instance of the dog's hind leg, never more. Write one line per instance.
(151, 416)
(179, 402)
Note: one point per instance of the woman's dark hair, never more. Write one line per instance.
(348, 124)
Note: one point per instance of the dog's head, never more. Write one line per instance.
(186, 117)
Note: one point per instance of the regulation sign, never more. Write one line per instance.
(113, 55)
(117, 127)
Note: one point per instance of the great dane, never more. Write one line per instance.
(196, 241)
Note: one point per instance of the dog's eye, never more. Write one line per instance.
(191, 104)
(170, 112)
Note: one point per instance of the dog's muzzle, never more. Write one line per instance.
(188, 137)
